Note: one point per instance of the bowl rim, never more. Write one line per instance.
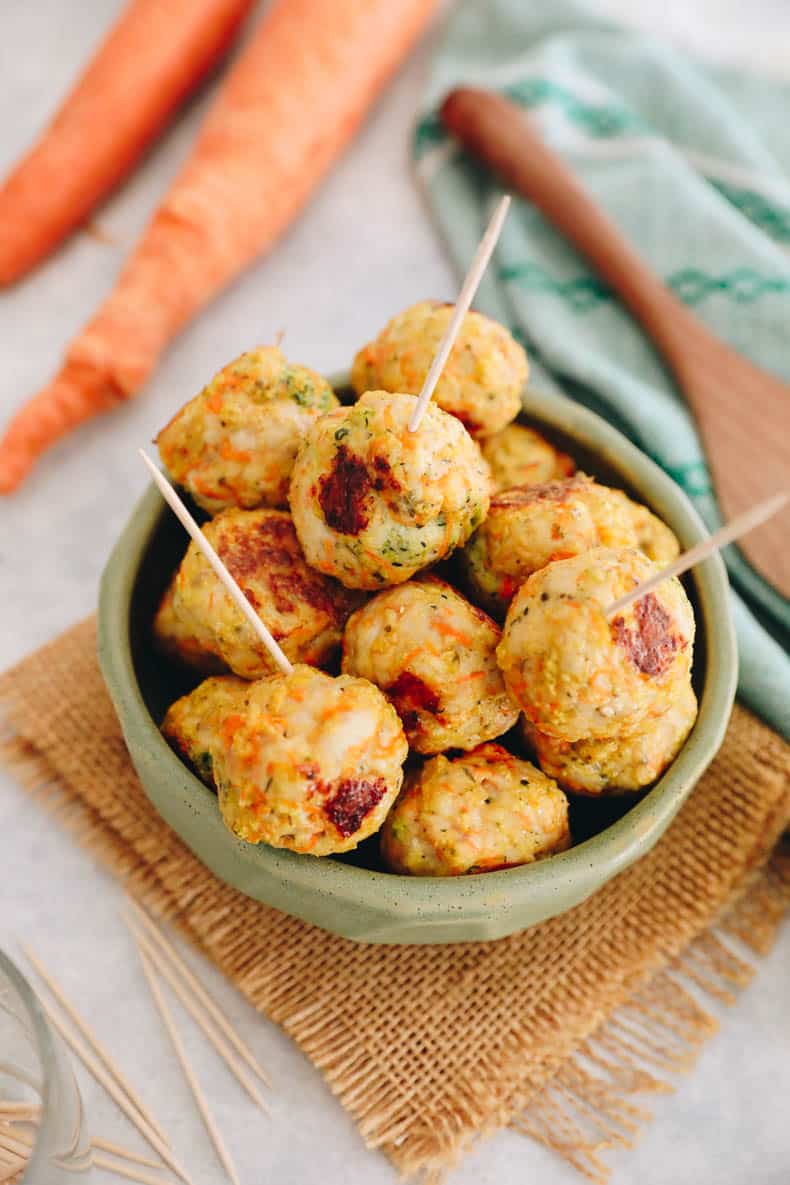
(612, 849)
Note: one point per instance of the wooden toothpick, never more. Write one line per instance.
(14, 1144)
(104, 1079)
(124, 1153)
(13, 1163)
(465, 298)
(240, 601)
(14, 1129)
(200, 1018)
(210, 1005)
(94, 1042)
(189, 1073)
(728, 534)
(123, 1168)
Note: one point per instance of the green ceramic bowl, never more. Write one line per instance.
(352, 895)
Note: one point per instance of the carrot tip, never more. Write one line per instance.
(13, 473)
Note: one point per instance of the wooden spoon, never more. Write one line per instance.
(743, 412)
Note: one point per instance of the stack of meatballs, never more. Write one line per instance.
(338, 523)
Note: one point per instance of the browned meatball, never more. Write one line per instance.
(480, 812)
(374, 503)
(234, 444)
(433, 654)
(530, 526)
(305, 611)
(520, 456)
(482, 381)
(575, 673)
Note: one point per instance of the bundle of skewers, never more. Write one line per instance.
(161, 965)
(554, 656)
(18, 1123)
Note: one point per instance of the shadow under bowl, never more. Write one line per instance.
(353, 895)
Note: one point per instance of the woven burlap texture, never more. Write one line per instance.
(555, 1030)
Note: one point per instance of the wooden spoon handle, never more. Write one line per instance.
(743, 413)
(495, 130)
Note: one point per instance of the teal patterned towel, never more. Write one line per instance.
(693, 164)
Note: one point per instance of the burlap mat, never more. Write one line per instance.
(554, 1030)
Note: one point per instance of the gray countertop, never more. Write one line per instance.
(364, 249)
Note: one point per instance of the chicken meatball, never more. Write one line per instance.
(433, 656)
(480, 812)
(520, 456)
(482, 380)
(527, 527)
(312, 764)
(234, 444)
(577, 675)
(653, 537)
(530, 526)
(176, 637)
(624, 523)
(373, 503)
(193, 722)
(618, 764)
(305, 611)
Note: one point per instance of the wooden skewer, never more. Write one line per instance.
(14, 1163)
(28, 1110)
(220, 1045)
(189, 1074)
(95, 1044)
(240, 601)
(104, 1079)
(124, 1169)
(212, 1008)
(11, 1144)
(17, 1133)
(124, 1153)
(465, 298)
(727, 534)
(15, 1150)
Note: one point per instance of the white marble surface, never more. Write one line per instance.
(362, 251)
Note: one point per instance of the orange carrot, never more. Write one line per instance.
(449, 631)
(288, 107)
(154, 56)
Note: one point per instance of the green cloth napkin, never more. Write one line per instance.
(693, 164)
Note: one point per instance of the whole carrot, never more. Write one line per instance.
(153, 57)
(288, 107)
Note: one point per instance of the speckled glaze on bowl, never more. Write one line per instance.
(363, 903)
